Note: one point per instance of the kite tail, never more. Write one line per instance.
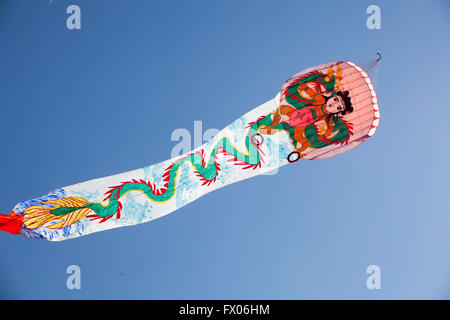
(11, 223)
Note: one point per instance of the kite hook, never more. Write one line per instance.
(379, 56)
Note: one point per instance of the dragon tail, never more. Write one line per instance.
(38, 215)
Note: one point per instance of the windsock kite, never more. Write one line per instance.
(319, 113)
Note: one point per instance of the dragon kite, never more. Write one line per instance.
(319, 113)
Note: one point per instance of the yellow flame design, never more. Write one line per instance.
(37, 215)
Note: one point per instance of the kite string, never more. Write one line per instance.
(372, 68)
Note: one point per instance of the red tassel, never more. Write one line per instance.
(11, 223)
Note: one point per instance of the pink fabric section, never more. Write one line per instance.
(361, 119)
(301, 118)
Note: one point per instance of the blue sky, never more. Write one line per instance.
(82, 104)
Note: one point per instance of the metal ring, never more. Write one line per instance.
(379, 56)
(255, 141)
(291, 154)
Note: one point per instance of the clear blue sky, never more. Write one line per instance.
(83, 104)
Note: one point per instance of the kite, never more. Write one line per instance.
(319, 113)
